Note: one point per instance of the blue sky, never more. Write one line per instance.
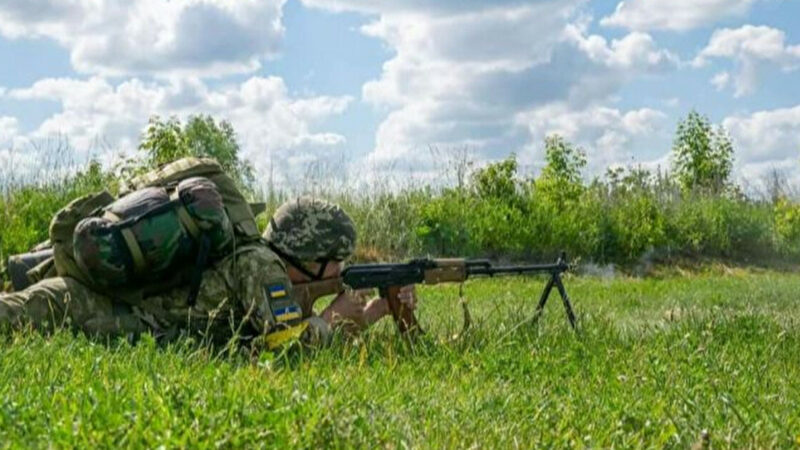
(372, 86)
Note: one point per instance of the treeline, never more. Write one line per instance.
(693, 211)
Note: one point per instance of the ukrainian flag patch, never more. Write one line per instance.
(288, 313)
(277, 291)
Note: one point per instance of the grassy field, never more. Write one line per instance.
(657, 362)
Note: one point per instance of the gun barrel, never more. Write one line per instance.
(483, 267)
(518, 270)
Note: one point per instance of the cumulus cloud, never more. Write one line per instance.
(273, 128)
(427, 7)
(9, 128)
(118, 37)
(635, 51)
(766, 142)
(677, 15)
(463, 71)
(721, 80)
(609, 136)
(766, 138)
(752, 48)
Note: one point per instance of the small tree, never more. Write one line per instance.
(703, 157)
(561, 177)
(201, 136)
(497, 180)
(564, 161)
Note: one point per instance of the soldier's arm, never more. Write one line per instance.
(355, 310)
(259, 277)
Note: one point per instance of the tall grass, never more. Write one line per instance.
(626, 219)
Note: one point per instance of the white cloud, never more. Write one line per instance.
(609, 136)
(427, 7)
(675, 14)
(463, 71)
(118, 37)
(721, 80)
(635, 51)
(766, 138)
(9, 128)
(273, 128)
(752, 48)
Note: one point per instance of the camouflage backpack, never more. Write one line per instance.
(147, 234)
(240, 212)
(96, 234)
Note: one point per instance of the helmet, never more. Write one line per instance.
(311, 229)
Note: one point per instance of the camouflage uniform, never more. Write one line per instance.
(235, 294)
(233, 298)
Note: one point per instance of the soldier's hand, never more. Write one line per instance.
(347, 307)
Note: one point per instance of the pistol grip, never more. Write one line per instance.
(404, 317)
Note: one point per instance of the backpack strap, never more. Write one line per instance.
(183, 215)
(199, 267)
(139, 263)
(204, 246)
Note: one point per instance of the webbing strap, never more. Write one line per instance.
(199, 266)
(183, 215)
(139, 263)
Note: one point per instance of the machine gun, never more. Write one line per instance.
(389, 278)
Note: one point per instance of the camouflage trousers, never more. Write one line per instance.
(64, 302)
(231, 300)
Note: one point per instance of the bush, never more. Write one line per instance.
(496, 213)
(27, 210)
(787, 226)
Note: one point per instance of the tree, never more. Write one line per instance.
(497, 180)
(561, 179)
(564, 161)
(201, 136)
(703, 157)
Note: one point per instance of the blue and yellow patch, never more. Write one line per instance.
(277, 291)
(288, 313)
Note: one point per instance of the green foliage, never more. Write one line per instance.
(657, 362)
(164, 141)
(497, 181)
(564, 161)
(637, 225)
(629, 217)
(27, 210)
(560, 180)
(201, 136)
(445, 226)
(703, 157)
(787, 225)
(722, 227)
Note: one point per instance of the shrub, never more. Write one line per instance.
(787, 226)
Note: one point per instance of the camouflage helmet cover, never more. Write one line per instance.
(311, 229)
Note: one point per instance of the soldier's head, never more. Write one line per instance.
(313, 236)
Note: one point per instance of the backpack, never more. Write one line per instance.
(145, 236)
(240, 212)
(63, 227)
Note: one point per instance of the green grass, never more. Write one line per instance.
(657, 362)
